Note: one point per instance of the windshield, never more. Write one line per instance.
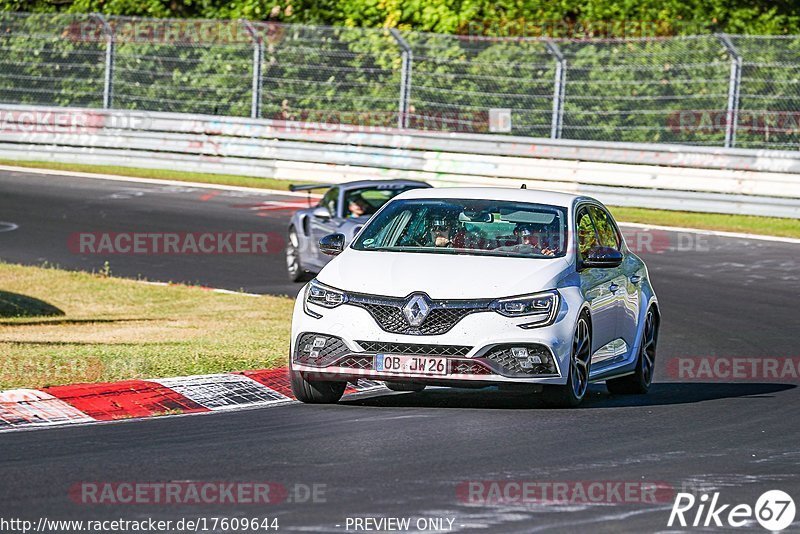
(368, 200)
(469, 226)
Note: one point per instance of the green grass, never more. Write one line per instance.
(60, 327)
(774, 226)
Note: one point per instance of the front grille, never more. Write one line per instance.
(388, 317)
(512, 365)
(356, 362)
(441, 320)
(307, 353)
(443, 314)
(414, 348)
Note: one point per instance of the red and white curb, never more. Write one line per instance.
(135, 399)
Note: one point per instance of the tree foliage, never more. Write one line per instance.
(659, 90)
(498, 17)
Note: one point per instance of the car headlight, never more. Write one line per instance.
(325, 296)
(540, 308)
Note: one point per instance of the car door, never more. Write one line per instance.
(323, 222)
(596, 285)
(629, 279)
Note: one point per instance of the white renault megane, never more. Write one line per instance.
(476, 287)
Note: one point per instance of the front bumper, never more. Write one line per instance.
(477, 349)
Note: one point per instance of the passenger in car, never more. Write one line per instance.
(531, 239)
(358, 206)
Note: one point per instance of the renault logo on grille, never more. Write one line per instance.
(416, 310)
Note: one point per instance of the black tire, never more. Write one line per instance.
(316, 391)
(640, 381)
(405, 386)
(294, 265)
(572, 393)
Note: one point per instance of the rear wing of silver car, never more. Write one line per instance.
(308, 187)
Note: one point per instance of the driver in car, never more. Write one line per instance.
(357, 206)
(531, 239)
(441, 229)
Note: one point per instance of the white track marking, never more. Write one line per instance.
(156, 181)
(28, 407)
(59, 416)
(223, 391)
(718, 233)
(213, 289)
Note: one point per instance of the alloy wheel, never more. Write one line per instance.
(649, 348)
(581, 352)
(292, 256)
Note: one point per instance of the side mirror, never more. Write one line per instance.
(332, 244)
(602, 258)
(321, 212)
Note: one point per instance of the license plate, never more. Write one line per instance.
(427, 365)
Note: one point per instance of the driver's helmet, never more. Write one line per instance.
(442, 221)
(525, 230)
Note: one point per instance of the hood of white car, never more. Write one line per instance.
(441, 276)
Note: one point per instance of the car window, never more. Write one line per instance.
(605, 228)
(467, 226)
(329, 200)
(587, 234)
(368, 200)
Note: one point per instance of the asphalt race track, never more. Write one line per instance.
(49, 210)
(406, 454)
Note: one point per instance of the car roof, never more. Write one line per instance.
(367, 183)
(536, 196)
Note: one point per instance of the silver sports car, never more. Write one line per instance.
(342, 210)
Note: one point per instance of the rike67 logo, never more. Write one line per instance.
(774, 510)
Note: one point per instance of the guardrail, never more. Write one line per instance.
(755, 182)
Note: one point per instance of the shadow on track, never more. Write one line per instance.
(661, 394)
(60, 322)
(16, 305)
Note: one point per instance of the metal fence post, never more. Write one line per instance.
(559, 90)
(734, 88)
(407, 62)
(108, 85)
(258, 61)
